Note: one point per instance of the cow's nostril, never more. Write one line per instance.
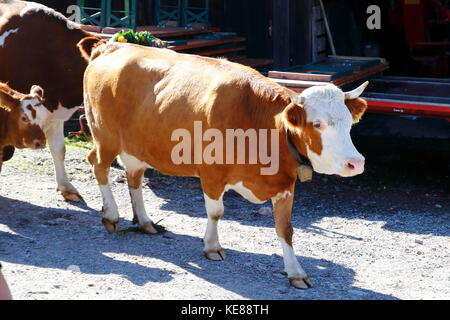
(354, 165)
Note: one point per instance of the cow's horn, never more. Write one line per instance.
(296, 98)
(356, 92)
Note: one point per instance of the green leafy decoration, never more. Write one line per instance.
(143, 38)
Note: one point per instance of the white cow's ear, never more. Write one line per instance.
(356, 92)
(296, 98)
(37, 90)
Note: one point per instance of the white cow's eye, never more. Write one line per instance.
(317, 125)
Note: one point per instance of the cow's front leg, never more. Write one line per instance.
(212, 248)
(282, 207)
(55, 137)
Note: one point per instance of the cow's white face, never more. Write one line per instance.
(33, 107)
(324, 131)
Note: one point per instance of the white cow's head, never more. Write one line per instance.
(319, 120)
(33, 106)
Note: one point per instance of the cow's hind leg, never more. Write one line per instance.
(55, 137)
(135, 170)
(212, 248)
(101, 161)
(282, 206)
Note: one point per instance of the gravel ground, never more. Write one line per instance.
(382, 235)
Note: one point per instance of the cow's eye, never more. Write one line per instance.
(24, 119)
(317, 125)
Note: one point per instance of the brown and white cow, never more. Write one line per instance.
(137, 97)
(16, 129)
(39, 46)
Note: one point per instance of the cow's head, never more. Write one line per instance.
(319, 121)
(20, 131)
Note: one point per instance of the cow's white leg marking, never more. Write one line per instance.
(55, 137)
(110, 209)
(291, 265)
(282, 207)
(212, 248)
(134, 167)
(5, 35)
(139, 213)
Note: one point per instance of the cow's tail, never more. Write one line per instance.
(87, 46)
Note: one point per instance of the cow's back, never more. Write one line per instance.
(9, 8)
(142, 95)
(39, 46)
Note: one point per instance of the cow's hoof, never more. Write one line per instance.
(148, 228)
(301, 283)
(111, 227)
(71, 196)
(215, 255)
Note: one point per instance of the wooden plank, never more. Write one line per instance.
(235, 58)
(255, 63)
(334, 72)
(111, 30)
(164, 32)
(299, 76)
(102, 35)
(382, 60)
(219, 52)
(196, 43)
(91, 28)
(298, 83)
(174, 31)
(359, 75)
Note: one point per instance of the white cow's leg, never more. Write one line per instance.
(100, 165)
(212, 248)
(55, 137)
(282, 207)
(110, 216)
(137, 201)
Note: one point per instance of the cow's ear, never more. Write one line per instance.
(357, 108)
(294, 116)
(6, 101)
(86, 45)
(37, 91)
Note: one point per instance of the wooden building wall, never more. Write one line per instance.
(277, 29)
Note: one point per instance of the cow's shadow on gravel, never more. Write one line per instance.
(59, 238)
(408, 211)
(405, 186)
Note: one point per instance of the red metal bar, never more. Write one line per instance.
(406, 108)
(82, 128)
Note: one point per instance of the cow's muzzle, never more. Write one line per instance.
(37, 144)
(353, 167)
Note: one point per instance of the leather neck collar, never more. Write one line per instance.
(302, 160)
